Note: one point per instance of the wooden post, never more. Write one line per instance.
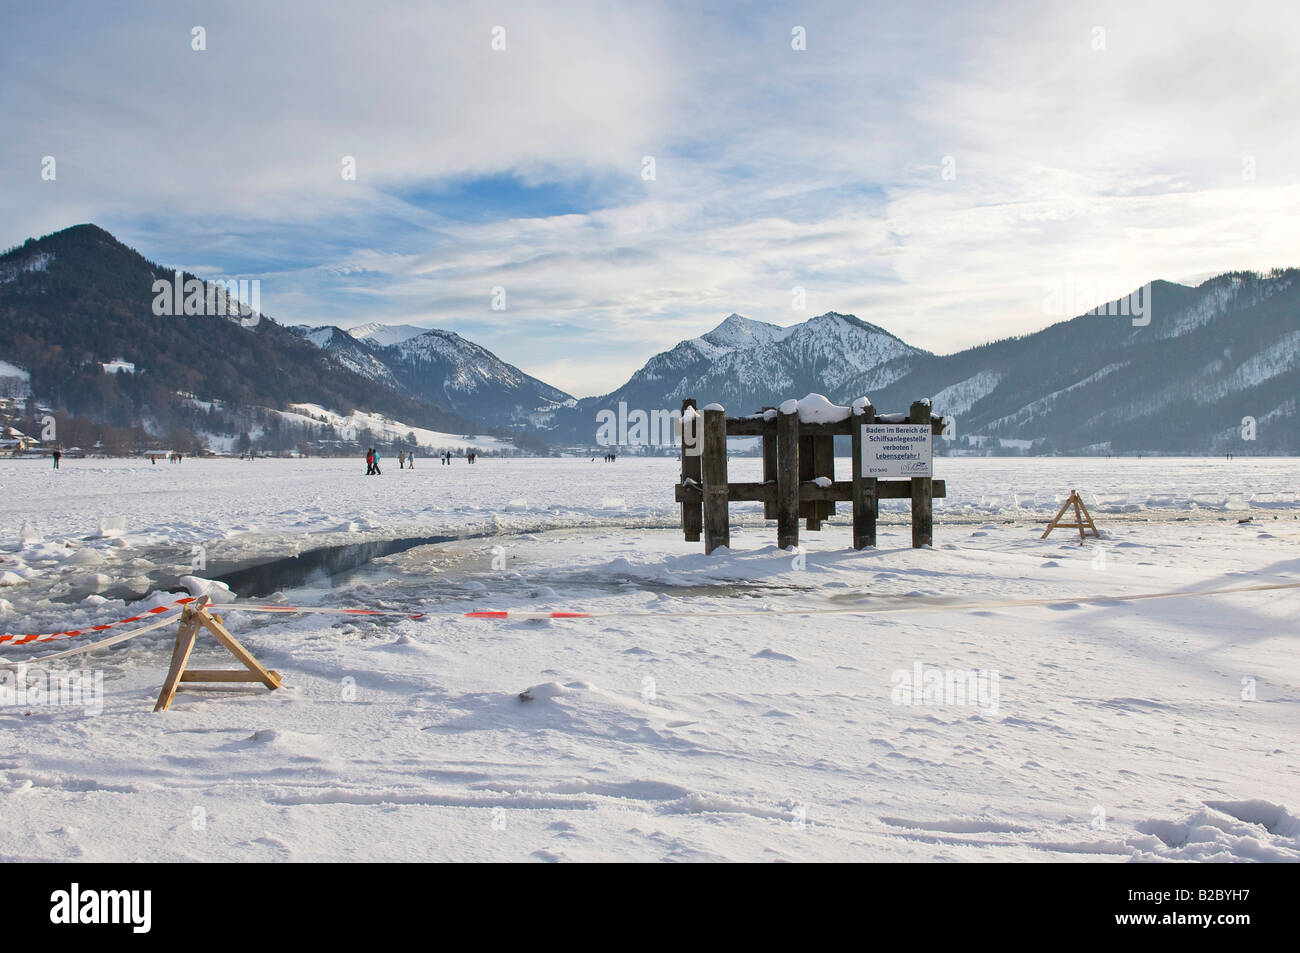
(717, 530)
(787, 479)
(824, 466)
(769, 464)
(808, 509)
(185, 637)
(692, 443)
(864, 487)
(922, 488)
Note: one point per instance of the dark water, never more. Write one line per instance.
(318, 567)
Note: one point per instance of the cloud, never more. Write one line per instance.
(1118, 162)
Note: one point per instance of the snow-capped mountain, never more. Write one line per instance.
(1209, 369)
(440, 367)
(383, 335)
(351, 352)
(745, 364)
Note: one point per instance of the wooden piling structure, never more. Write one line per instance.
(795, 455)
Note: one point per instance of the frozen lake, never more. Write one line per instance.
(721, 707)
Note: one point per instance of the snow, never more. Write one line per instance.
(13, 370)
(384, 335)
(37, 262)
(960, 397)
(817, 409)
(1121, 730)
(357, 421)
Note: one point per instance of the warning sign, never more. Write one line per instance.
(897, 450)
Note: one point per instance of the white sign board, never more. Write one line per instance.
(897, 450)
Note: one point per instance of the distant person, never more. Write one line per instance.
(410, 460)
(377, 472)
(56, 455)
(401, 459)
(370, 461)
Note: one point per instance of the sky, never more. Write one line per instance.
(577, 186)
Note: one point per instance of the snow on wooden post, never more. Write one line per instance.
(864, 487)
(717, 529)
(692, 443)
(922, 490)
(787, 475)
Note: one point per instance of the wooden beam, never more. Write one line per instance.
(753, 427)
(808, 510)
(692, 515)
(824, 466)
(263, 675)
(839, 491)
(224, 675)
(186, 634)
(864, 488)
(717, 528)
(922, 488)
(769, 464)
(787, 479)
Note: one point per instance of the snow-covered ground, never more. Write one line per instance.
(721, 707)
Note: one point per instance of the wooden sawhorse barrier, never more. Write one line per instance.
(195, 616)
(1082, 518)
(798, 460)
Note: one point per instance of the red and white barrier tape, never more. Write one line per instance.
(497, 615)
(73, 633)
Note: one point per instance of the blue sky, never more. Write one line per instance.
(937, 169)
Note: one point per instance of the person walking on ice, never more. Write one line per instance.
(370, 462)
(55, 457)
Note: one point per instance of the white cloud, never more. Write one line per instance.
(776, 168)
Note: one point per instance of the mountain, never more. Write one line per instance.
(1200, 367)
(77, 299)
(1207, 361)
(745, 364)
(443, 368)
(385, 334)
